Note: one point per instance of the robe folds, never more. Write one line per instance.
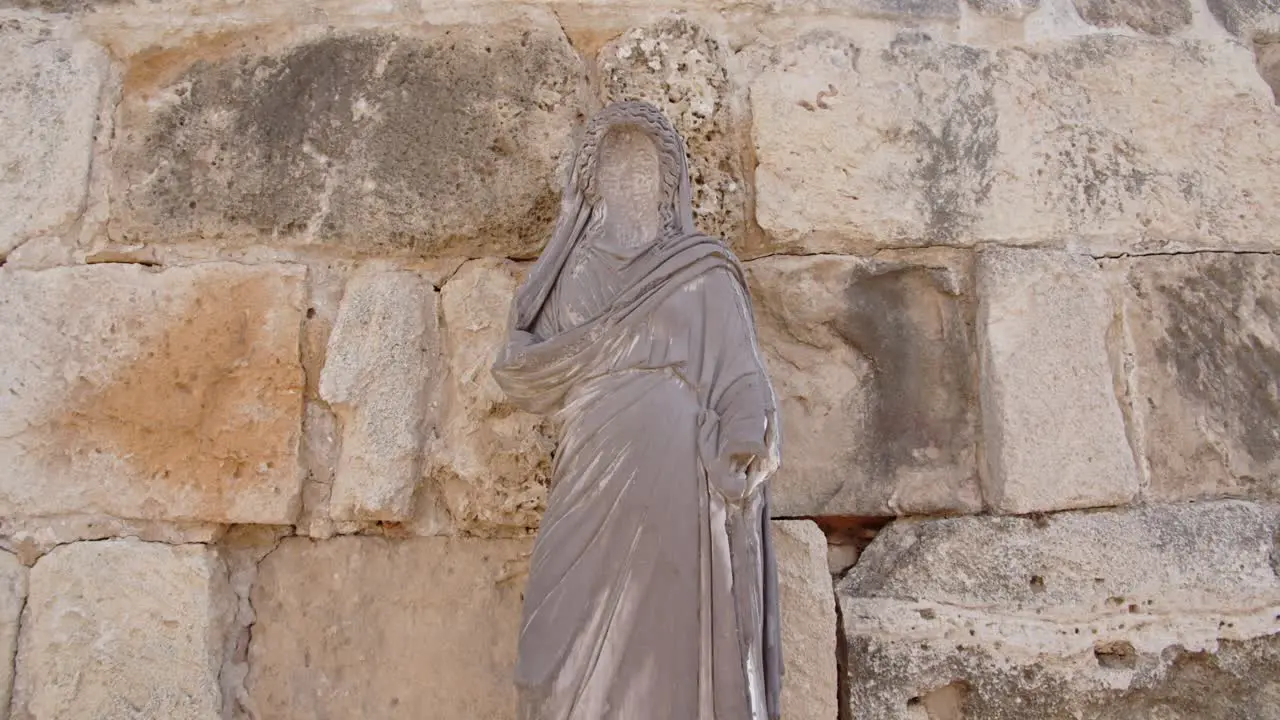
(652, 591)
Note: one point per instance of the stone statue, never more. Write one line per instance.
(652, 592)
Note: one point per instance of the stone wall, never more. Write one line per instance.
(1015, 269)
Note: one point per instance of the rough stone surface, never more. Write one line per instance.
(1077, 143)
(900, 9)
(50, 85)
(872, 362)
(1157, 17)
(153, 395)
(1011, 9)
(808, 621)
(1204, 342)
(123, 629)
(13, 594)
(359, 627)
(1158, 611)
(1247, 18)
(377, 377)
(1053, 429)
(491, 462)
(370, 141)
(682, 69)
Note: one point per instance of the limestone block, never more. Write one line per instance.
(377, 378)
(683, 69)
(13, 594)
(51, 84)
(360, 627)
(1247, 18)
(1157, 611)
(427, 141)
(153, 395)
(491, 462)
(1080, 143)
(872, 363)
(1157, 17)
(808, 612)
(124, 629)
(1204, 342)
(1054, 432)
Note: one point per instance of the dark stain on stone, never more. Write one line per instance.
(1155, 17)
(916, 333)
(367, 139)
(1239, 16)
(1217, 359)
(57, 6)
(957, 146)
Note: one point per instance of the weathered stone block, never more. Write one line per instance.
(364, 627)
(13, 595)
(377, 376)
(154, 395)
(808, 611)
(1054, 432)
(1157, 17)
(1078, 143)
(1010, 9)
(1247, 18)
(1204, 342)
(863, 149)
(50, 85)
(872, 363)
(440, 142)
(1159, 611)
(683, 69)
(123, 629)
(491, 462)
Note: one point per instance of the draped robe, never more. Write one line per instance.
(652, 589)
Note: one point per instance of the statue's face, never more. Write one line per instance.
(629, 183)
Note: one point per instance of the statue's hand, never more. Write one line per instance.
(733, 476)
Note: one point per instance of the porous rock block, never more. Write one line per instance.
(1204, 337)
(1158, 611)
(124, 629)
(808, 611)
(1080, 143)
(51, 83)
(683, 69)
(418, 140)
(169, 394)
(872, 365)
(13, 595)
(490, 461)
(1054, 431)
(377, 377)
(363, 627)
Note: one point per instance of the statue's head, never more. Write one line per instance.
(632, 165)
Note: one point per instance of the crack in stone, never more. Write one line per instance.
(242, 564)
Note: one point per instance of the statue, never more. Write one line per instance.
(652, 592)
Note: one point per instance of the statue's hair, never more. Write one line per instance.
(649, 120)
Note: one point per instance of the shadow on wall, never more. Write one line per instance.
(1267, 50)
